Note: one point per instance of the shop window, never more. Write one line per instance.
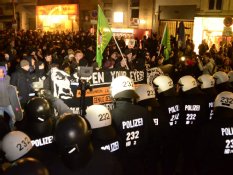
(215, 4)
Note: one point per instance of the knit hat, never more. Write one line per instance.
(24, 63)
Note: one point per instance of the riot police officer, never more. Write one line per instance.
(39, 123)
(131, 123)
(17, 145)
(77, 156)
(170, 104)
(207, 83)
(104, 135)
(159, 125)
(194, 114)
(215, 150)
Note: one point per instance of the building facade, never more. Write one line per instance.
(17, 14)
(209, 22)
(203, 19)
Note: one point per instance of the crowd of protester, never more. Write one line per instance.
(67, 50)
(151, 130)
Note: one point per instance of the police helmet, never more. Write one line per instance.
(145, 91)
(15, 145)
(230, 75)
(100, 120)
(73, 138)
(28, 166)
(72, 131)
(98, 116)
(220, 77)
(38, 109)
(187, 82)
(206, 81)
(123, 87)
(224, 99)
(40, 129)
(163, 83)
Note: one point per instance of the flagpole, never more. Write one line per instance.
(120, 51)
(160, 47)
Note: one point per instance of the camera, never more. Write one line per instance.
(84, 73)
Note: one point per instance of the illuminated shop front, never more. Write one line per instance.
(57, 17)
(212, 30)
(130, 34)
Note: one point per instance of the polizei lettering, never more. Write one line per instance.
(132, 123)
(227, 131)
(192, 108)
(42, 141)
(173, 109)
(111, 147)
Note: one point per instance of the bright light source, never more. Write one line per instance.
(182, 58)
(197, 32)
(142, 21)
(42, 17)
(122, 30)
(57, 18)
(118, 17)
(207, 28)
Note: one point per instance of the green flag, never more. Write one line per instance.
(104, 34)
(166, 42)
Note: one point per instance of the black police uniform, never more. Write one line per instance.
(226, 86)
(131, 123)
(170, 105)
(112, 145)
(215, 145)
(211, 94)
(194, 114)
(158, 127)
(101, 162)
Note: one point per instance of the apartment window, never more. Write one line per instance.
(134, 3)
(108, 13)
(135, 13)
(215, 4)
(118, 17)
